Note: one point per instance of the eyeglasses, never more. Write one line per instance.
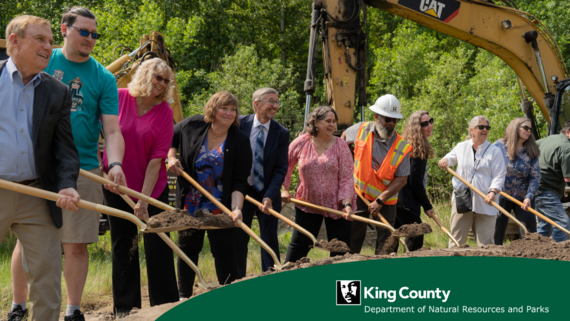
(389, 120)
(85, 33)
(427, 122)
(481, 127)
(525, 127)
(160, 78)
(273, 102)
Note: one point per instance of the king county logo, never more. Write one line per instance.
(443, 10)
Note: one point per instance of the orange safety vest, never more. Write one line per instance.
(369, 182)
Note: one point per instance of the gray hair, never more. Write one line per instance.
(258, 94)
(566, 127)
(476, 120)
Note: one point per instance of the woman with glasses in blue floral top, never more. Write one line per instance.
(523, 174)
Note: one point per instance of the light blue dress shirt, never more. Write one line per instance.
(16, 112)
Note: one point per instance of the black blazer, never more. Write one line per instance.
(55, 155)
(413, 194)
(275, 158)
(189, 135)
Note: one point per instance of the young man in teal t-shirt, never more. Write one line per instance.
(94, 99)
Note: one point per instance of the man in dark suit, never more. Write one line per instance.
(37, 149)
(270, 145)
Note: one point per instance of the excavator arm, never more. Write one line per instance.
(516, 37)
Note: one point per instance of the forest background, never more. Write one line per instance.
(242, 45)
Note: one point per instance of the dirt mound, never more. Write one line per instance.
(334, 246)
(180, 217)
(411, 230)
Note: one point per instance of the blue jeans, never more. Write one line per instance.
(549, 204)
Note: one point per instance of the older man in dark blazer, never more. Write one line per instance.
(270, 144)
(36, 149)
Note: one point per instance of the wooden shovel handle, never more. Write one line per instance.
(516, 201)
(485, 196)
(367, 202)
(283, 218)
(83, 204)
(239, 222)
(339, 213)
(126, 190)
(436, 219)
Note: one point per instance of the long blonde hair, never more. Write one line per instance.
(511, 140)
(413, 135)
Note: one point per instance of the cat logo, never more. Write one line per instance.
(443, 10)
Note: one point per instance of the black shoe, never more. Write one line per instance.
(121, 314)
(18, 314)
(77, 316)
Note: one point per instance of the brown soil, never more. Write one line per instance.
(333, 246)
(180, 217)
(411, 230)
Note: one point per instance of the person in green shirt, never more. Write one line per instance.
(554, 176)
(95, 105)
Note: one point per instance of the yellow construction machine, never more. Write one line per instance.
(517, 37)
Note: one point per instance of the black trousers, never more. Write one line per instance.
(191, 242)
(126, 271)
(299, 246)
(268, 233)
(359, 228)
(527, 218)
(407, 216)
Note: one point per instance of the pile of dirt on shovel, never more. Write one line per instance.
(334, 246)
(180, 217)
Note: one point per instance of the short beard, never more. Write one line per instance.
(384, 132)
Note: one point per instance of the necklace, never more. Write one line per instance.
(325, 145)
(214, 136)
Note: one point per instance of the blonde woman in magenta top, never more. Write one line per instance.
(147, 126)
(325, 179)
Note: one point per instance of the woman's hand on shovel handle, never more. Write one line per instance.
(526, 204)
(68, 202)
(429, 213)
(237, 216)
(118, 177)
(141, 210)
(443, 163)
(175, 166)
(349, 213)
(285, 196)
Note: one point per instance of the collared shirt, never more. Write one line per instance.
(554, 162)
(16, 146)
(253, 141)
(523, 174)
(380, 150)
(490, 171)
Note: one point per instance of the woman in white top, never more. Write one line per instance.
(481, 163)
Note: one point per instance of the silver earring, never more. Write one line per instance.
(317, 128)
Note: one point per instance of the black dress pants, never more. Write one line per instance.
(126, 271)
(407, 216)
(268, 233)
(527, 218)
(359, 228)
(191, 242)
(299, 246)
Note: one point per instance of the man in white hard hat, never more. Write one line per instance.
(381, 168)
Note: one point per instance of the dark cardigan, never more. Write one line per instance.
(188, 137)
(413, 194)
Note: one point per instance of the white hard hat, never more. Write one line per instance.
(389, 106)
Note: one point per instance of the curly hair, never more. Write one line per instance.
(217, 101)
(141, 85)
(318, 113)
(511, 140)
(413, 135)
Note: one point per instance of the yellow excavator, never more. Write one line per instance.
(517, 37)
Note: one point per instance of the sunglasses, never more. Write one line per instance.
(525, 127)
(85, 33)
(481, 127)
(389, 120)
(160, 78)
(427, 122)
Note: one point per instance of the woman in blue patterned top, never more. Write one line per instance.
(523, 174)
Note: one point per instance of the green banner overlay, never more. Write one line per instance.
(433, 288)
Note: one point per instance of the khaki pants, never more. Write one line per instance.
(30, 220)
(483, 226)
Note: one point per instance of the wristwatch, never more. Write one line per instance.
(236, 208)
(114, 164)
(491, 191)
(379, 201)
(346, 205)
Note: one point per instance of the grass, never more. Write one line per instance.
(98, 289)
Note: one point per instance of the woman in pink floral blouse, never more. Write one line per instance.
(325, 178)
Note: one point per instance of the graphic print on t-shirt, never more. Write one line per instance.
(58, 74)
(76, 94)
